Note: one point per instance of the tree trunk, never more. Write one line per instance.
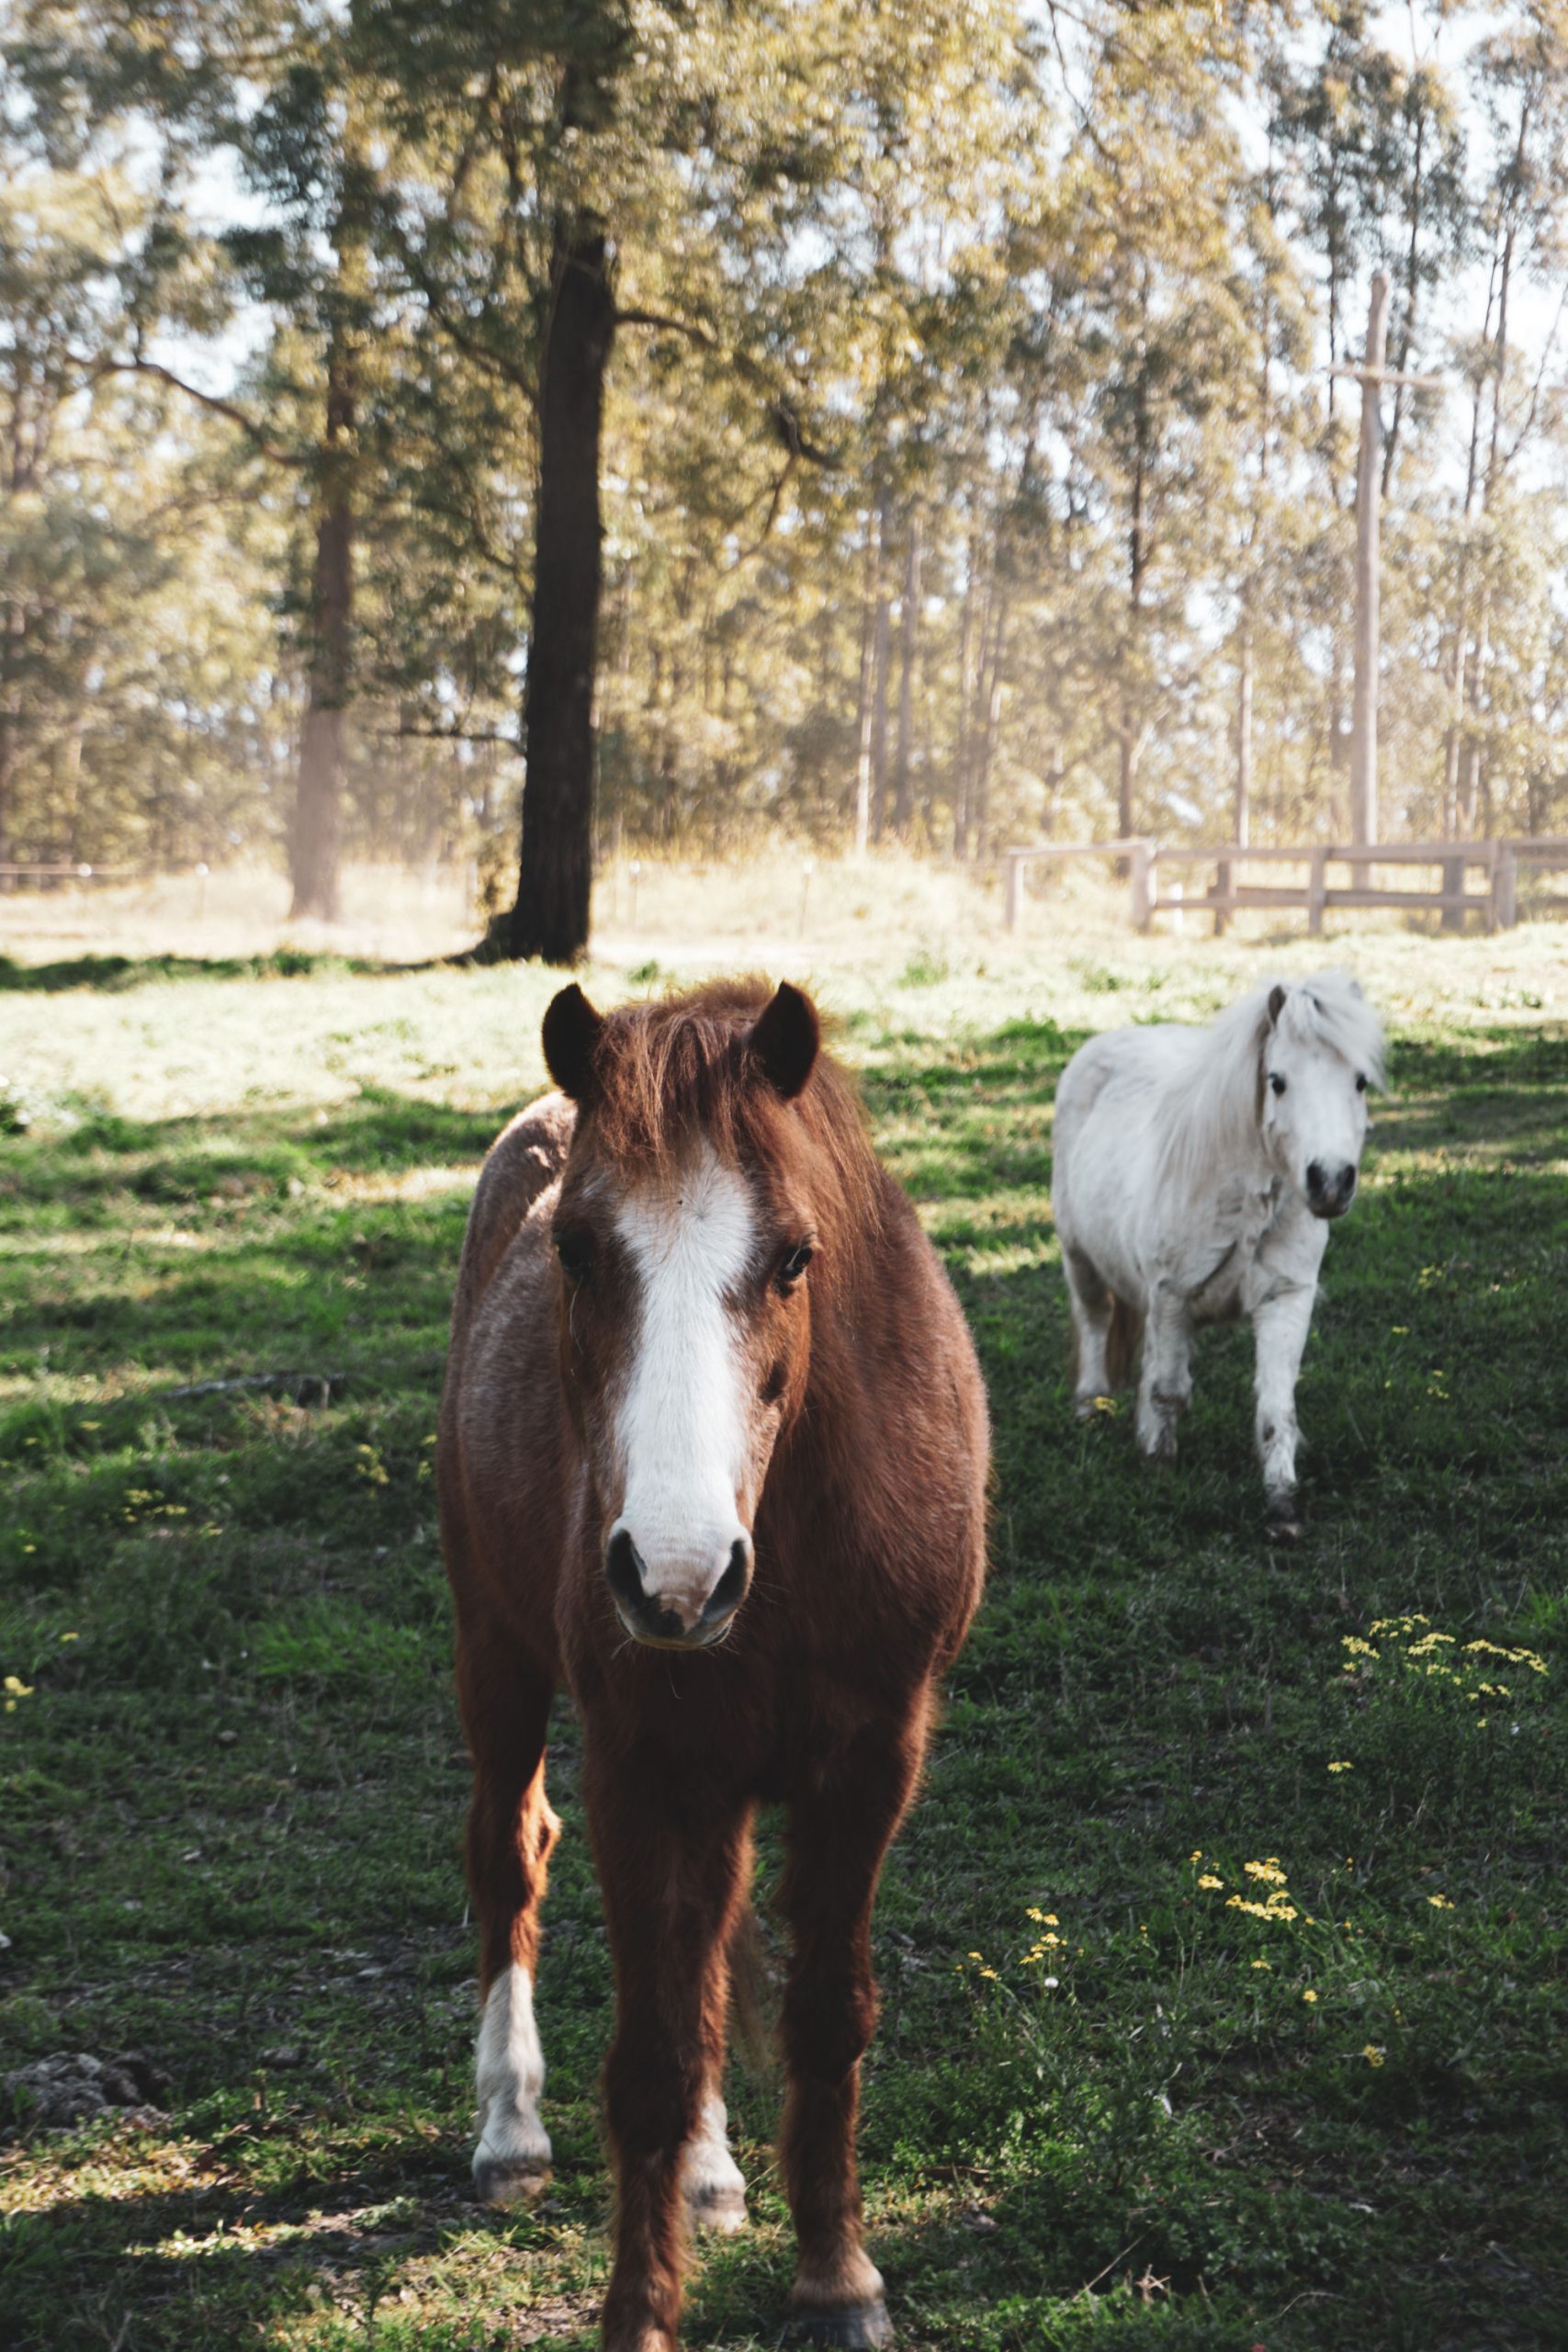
(555, 875)
(989, 727)
(1364, 814)
(1129, 731)
(316, 842)
(316, 845)
(965, 689)
(11, 634)
(903, 781)
(1241, 832)
(881, 654)
(864, 717)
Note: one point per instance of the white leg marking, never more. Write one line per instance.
(1281, 1325)
(514, 2145)
(712, 2181)
(682, 1426)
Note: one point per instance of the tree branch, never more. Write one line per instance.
(94, 370)
(451, 735)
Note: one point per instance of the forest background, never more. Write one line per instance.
(929, 410)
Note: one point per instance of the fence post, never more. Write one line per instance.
(1015, 864)
(1506, 891)
(1143, 856)
(1316, 893)
(1222, 890)
(1453, 880)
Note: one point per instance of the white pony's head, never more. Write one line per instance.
(1320, 1047)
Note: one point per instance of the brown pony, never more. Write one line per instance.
(713, 1453)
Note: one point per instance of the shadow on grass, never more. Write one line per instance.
(1145, 1679)
(113, 975)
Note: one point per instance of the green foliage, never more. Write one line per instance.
(232, 1783)
(968, 436)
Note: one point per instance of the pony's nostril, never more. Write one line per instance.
(1314, 1178)
(624, 1567)
(731, 1590)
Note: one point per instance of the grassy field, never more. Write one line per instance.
(1109, 2103)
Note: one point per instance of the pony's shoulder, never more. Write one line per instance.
(521, 1166)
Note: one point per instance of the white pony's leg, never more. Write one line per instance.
(1090, 1303)
(710, 2179)
(1281, 1325)
(1167, 1381)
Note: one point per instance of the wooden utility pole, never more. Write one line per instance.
(1373, 375)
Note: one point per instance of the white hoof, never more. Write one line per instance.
(711, 2180)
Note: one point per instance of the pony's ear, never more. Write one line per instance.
(785, 1038)
(1276, 1001)
(570, 1031)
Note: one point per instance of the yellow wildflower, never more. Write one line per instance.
(1209, 1879)
(1373, 2055)
(1309, 1994)
(1344, 1765)
(1440, 1902)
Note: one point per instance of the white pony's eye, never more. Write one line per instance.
(1276, 1081)
(1361, 1082)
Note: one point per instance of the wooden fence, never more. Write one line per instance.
(1496, 902)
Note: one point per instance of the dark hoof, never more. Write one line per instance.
(502, 2184)
(863, 2324)
(1281, 1524)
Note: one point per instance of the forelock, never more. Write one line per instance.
(678, 1073)
(1328, 1009)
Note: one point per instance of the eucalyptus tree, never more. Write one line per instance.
(586, 174)
(1520, 85)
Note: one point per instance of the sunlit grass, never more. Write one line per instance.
(232, 1781)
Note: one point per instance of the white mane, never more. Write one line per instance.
(1211, 1098)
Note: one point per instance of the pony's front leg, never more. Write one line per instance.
(839, 1833)
(1090, 1303)
(673, 1865)
(1281, 1325)
(1165, 1384)
(506, 1708)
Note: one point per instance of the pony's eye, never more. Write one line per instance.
(793, 1264)
(1360, 1083)
(575, 1250)
(1276, 1081)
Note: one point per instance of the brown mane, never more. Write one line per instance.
(679, 1067)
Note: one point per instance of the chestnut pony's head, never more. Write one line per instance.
(717, 1169)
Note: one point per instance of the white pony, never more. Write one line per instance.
(1196, 1172)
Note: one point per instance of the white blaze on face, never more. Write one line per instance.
(683, 1438)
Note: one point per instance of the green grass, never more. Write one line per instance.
(230, 1789)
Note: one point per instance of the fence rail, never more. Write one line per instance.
(1496, 902)
(25, 873)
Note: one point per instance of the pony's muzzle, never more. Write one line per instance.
(677, 1615)
(1330, 1190)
